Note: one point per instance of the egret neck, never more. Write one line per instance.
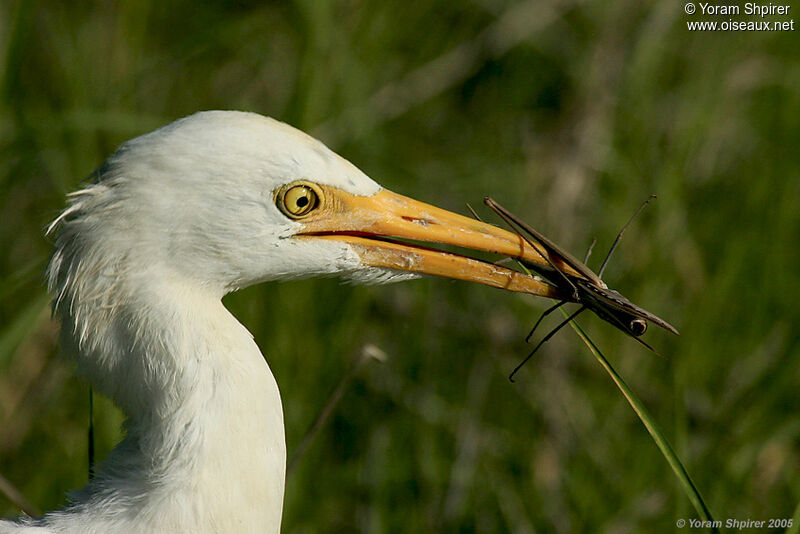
(205, 448)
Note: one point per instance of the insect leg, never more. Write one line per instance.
(548, 336)
(545, 314)
(474, 213)
(90, 433)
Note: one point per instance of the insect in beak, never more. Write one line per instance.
(586, 288)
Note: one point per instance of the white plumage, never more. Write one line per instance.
(169, 224)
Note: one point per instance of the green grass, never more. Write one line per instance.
(570, 127)
(653, 428)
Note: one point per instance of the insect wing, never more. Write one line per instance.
(551, 247)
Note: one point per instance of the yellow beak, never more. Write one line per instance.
(368, 223)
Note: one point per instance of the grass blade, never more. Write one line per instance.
(661, 441)
(647, 420)
(369, 352)
(16, 497)
(795, 528)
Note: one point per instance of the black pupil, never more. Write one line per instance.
(302, 202)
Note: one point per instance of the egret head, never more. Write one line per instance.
(227, 199)
(222, 200)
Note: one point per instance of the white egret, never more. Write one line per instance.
(174, 220)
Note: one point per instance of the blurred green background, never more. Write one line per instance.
(570, 113)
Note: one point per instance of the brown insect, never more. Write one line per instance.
(585, 288)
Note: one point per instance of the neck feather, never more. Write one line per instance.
(204, 449)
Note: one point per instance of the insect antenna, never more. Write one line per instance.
(619, 235)
(544, 339)
(589, 252)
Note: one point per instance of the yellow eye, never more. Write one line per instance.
(297, 200)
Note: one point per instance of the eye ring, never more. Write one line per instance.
(638, 327)
(298, 199)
